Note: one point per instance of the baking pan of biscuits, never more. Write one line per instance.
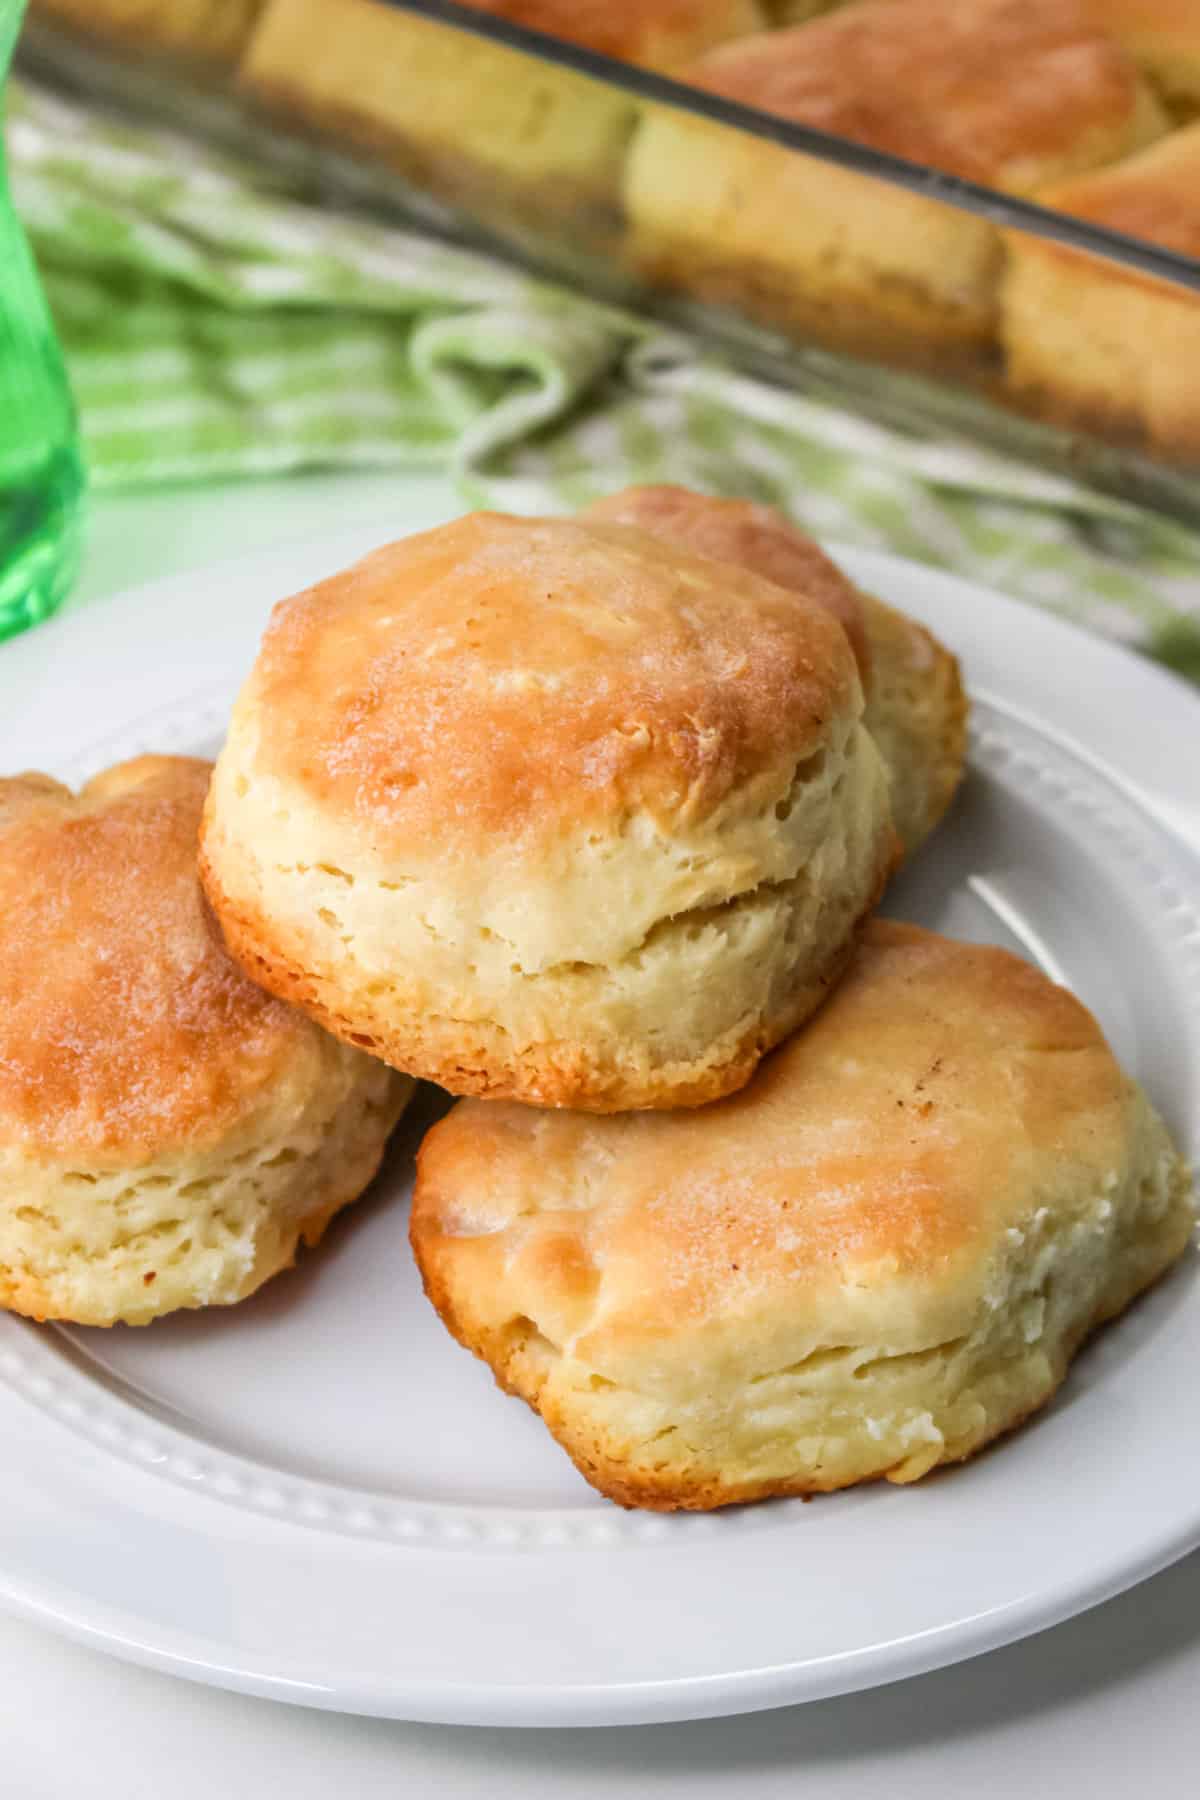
(978, 220)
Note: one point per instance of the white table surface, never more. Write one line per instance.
(1106, 1705)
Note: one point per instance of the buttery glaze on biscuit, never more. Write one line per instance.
(510, 675)
(544, 809)
(916, 710)
(879, 1255)
(168, 1132)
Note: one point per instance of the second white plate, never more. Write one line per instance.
(320, 1497)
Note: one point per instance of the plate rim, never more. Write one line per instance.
(693, 1695)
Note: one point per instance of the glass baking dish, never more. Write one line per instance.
(1063, 329)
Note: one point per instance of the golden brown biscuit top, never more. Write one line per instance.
(984, 91)
(863, 1180)
(755, 537)
(1154, 195)
(653, 32)
(124, 1026)
(518, 676)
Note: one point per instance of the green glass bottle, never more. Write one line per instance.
(41, 471)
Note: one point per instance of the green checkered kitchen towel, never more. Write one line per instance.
(217, 324)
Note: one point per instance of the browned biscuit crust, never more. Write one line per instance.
(916, 706)
(877, 1257)
(169, 1132)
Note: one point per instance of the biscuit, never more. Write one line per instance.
(168, 1133)
(1002, 92)
(545, 810)
(916, 709)
(880, 1255)
(1091, 344)
(508, 136)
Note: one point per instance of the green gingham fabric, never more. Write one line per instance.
(218, 325)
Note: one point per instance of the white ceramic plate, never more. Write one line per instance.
(319, 1497)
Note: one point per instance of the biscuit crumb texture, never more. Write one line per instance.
(879, 1256)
